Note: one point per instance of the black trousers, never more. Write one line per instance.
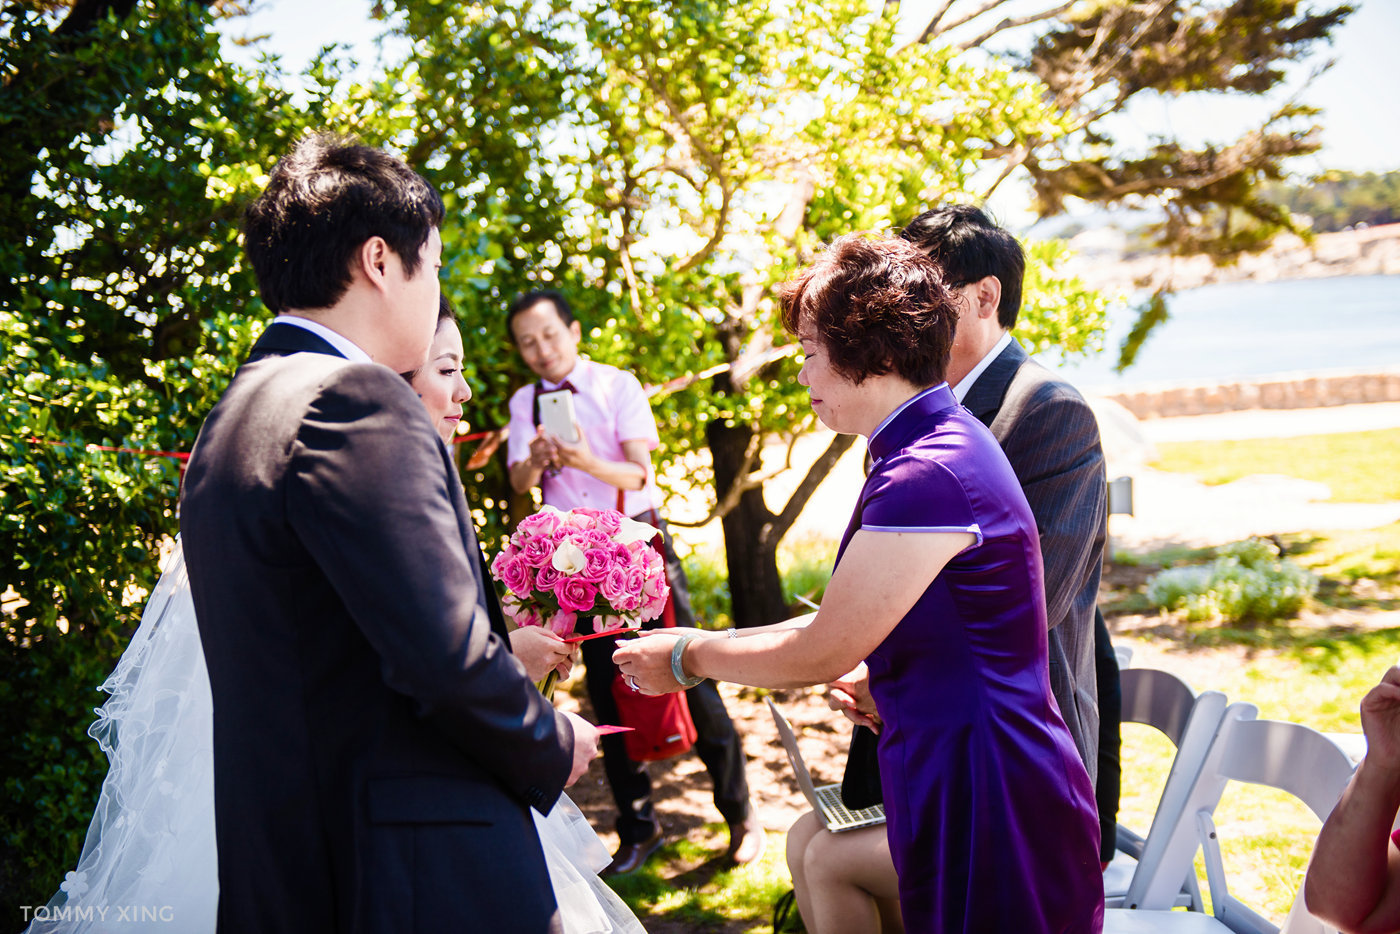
(1107, 790)
(717, 741)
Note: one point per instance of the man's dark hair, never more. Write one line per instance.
(878, 305)
(323, 200)
(532, 298)
(970, 246)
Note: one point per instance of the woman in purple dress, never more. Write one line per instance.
(937, 587)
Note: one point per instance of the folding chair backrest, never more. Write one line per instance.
(1157, 698)
(1168, 851)
(1290, 757)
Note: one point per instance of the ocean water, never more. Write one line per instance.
(1249, 330)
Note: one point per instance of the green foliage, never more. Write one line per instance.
(1152, 313)
(709, 589)
(124, 308)
(1338, 200)
(1356, 466)
(806, 566)
(1098, 57)
(1248, 580)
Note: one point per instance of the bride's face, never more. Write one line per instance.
(439, 382)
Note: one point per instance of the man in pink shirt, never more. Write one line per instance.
(611, 465)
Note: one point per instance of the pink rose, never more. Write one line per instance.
(537, 551)
(515, 574)
(525, 615)
(563, 622)
(611, 623)
(547, 578)
(597, 563)
(575, 594)
(580, 520)
(636, 581)
(607, 521)
(613, 586)
(654, 594)
(543, 522)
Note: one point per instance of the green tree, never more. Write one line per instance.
(667, 164)
(128, 147)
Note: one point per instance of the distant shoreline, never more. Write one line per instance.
(1370, 251)
(1310, 390)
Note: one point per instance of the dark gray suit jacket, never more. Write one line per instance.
(376, 745)
(1051, 438)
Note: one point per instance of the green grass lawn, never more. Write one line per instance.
(1360, 467)
(686, 883)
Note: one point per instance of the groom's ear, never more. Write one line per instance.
(371, 261)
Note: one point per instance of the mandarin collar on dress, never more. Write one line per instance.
(893, 431)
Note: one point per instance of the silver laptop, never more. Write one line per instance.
(826, 800)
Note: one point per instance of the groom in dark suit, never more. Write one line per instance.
(1051, 438)
(1048, 433)
(376, 746)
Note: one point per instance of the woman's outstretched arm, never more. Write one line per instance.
(880, 578)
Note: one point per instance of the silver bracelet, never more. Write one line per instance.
(732, 633)
(677, 669)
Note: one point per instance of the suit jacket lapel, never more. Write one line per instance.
(282, 339)
(985, 397)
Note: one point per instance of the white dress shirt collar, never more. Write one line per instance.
(964, 385)
(346, 347)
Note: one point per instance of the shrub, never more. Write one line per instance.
(1248, 580)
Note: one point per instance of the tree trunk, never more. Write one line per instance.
(750, 547)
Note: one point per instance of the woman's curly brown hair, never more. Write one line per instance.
(878, 305)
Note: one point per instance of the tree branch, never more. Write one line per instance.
(1012, 23)
(743, 482)
(931, 28)
(815, 475)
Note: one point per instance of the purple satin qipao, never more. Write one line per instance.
(992, 822)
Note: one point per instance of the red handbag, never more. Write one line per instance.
(661, 724)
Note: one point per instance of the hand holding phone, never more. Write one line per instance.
(557, 415)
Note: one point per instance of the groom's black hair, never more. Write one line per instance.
(969, 246)
(323, 200)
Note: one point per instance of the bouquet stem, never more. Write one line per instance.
(547, 685)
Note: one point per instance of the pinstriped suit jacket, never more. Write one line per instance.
(1051, 438)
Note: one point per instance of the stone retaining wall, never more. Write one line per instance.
(1292, 391)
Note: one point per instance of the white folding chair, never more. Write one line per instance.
(1163, 701)
(1287, 756)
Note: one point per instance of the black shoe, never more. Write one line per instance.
(630, 856)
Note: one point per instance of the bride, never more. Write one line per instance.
(150, 852)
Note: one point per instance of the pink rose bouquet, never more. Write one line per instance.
(559, 566)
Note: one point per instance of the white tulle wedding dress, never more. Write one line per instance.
(150, 853)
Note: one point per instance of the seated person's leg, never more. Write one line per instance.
(799, 837)
(851, 883)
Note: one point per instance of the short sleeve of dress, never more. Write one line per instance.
(910, 493)
(522, 428)
(628, 401)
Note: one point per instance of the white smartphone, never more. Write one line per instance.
(557, 414)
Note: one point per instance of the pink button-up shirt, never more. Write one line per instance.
(611, 408)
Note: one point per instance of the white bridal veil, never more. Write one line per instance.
(150, 854)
